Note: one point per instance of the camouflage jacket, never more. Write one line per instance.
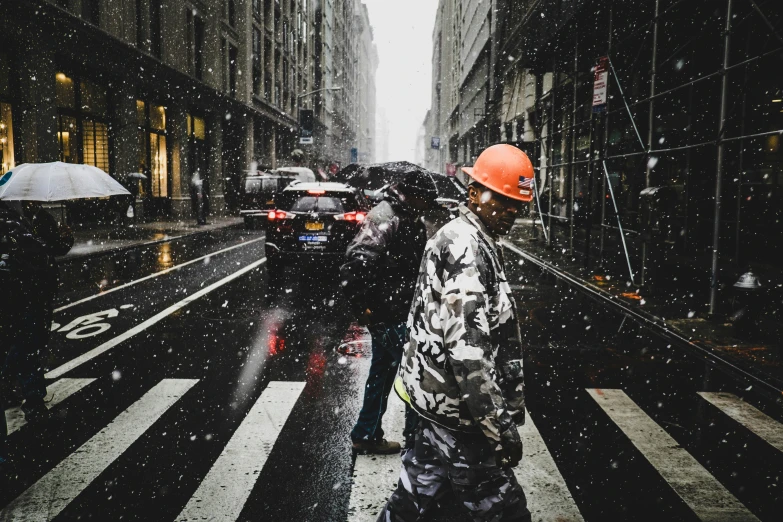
(462, 365)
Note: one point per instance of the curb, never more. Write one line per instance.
(81, 257)
(768, 384)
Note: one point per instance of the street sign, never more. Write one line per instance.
(435, 142)
(600, 84)
(305, 126)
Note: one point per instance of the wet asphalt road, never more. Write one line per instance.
(132, 321)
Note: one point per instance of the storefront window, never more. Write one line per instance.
(6, 139)
(64, 91)
(160, 174)
(83, 129)
(153, 155)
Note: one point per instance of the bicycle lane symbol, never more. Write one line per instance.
(88, 325)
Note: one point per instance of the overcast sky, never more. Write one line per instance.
(403, 34)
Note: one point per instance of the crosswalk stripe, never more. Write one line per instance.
(547, 495)
(224, 491)
(765, 427)
(45, 499)
(56, 393)
(707, 497)
(375, 476)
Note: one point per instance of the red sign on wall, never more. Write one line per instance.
(601, 84)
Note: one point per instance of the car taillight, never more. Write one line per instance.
(357, 217)
(273, 215)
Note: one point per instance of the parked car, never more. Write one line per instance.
(311, 226)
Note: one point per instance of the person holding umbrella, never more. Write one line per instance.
(30, 238)
(378, 276)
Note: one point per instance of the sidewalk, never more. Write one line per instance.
(676, 311)
(92, 241)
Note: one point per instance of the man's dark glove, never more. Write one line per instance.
(510, 453)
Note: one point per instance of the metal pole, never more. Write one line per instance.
(572, 170)
(741, 161)
(550, 137)
(589, 195)
(538, 204)
(619, 221)
(602, 231)
(719, 167)
(650, 129)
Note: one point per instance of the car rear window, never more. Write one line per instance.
(329, 203)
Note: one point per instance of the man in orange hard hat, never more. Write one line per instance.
(462, 366)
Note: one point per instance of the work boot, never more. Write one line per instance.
(35, 410)
(376, 447)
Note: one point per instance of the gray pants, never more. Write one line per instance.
(465, 463)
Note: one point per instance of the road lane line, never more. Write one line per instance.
(223, 492)
(108, 345)
(702, 492)
(375, 476)
(56, 393)
(156, 274)
(45, 499)
(547, 494)
(765, 427)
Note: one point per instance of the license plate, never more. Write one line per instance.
(310, 225)
(313, 239)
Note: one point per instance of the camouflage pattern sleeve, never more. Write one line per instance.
(466, 322)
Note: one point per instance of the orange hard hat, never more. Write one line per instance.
(504, 169)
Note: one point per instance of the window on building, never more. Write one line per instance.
(233, 57)
(257, 69)
(83, 128)
(139, 25)
(91, 11)
(195, 43)
(257, 9)
(231, 12)
(155, 33)
(268, 67)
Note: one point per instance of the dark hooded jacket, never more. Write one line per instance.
(382, 262)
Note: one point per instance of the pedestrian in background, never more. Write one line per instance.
(198, 198)
(462, 366)
(30, 238)
(378, 277)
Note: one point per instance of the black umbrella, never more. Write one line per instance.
(378, 176)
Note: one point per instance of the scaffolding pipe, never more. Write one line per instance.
(538, 205)
(619, 222)
(604, 151)
(551, 156)
(572, 169)
(719, 167)
(650, 129)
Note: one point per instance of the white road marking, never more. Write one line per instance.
(224, 491)
(375, 476)
(108, 345)
(765, 427)
(547, 495)
(156, 274)
(707, 497)
(56, 393)
(45, 499)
